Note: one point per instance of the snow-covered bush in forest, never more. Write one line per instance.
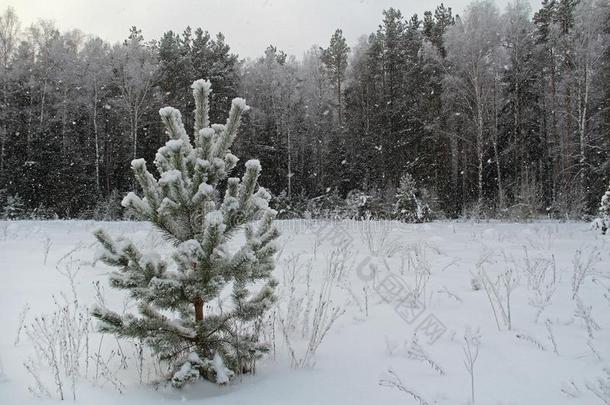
(108, 208)
(369, 205)
(329, 205)
(198, 209)
(604, 210)
(289, 207)
(528, 203)
(569, 204)
(41, 212)
(11, 206)
(357, 204)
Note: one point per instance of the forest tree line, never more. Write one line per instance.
(495, 111)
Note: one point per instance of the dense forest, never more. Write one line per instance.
(490, 112)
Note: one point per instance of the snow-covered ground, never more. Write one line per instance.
(383, 282)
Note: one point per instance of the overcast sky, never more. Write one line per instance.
(249, 25)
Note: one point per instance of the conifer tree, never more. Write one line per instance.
(408, 206)
(335, 59)
(198, 209)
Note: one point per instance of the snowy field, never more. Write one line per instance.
(388, 312)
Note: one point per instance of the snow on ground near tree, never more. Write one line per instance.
(375, 263)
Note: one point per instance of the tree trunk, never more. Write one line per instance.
(582, 126)
(64, 123)
(546, 165)
(30, 137)
(95, 133)
(134, 133)
(496, 153)
(289, 164)
(3, 130)
(198, 309)
(555, 134)
(42, 99)
(465, 192)
(455, 168)
(107, 158)
(339, 101)
(479, 146)
(567, 131)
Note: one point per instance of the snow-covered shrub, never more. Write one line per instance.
(61, 343)
(327, 206)
(418, 264)
(198, 209)
(499, 294)
(65, 352)
(430, 199)
(583, 268)
(375, 204)
(289, 207)
(108, 208)
(11, 206)
(543, 287)
(356, 204)
(42, 212)
(476, 211)
(528, 202)
(583, 312)
(381, 203)
(378, 238)
(569, 204)
(306, 317)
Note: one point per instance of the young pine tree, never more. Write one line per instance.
(409, 207)
(197, 309)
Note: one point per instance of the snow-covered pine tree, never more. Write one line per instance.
(408, 206)
(198, 209)
(604, 210)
